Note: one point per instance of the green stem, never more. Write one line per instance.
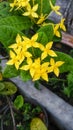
(33, 53)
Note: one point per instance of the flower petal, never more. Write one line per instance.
(13, 46)
(26, 13)
(49, 45)
(44, 76)
(34, 15)
(34, 37)
(59, 63)
(32, 71)
(50, 69)
(25, 67)
(17, 65)
(56, 71)
(28, 54)
(35, 7)
(10, 62)
(57, 34)
(52, 53)
(12, 54)
(43, 55)
(29, 61)
(36, 76)
(52, 62)
(18, 38)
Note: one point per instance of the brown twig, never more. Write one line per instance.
(12, 113)
(67, 39)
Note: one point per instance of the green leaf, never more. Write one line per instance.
(42, 38)
(9, 88)
(2, 86)
(67, 91)
(37, 124)
(19, 101)
(10, 71)
(10, 26)
(25, 76)
(70, 79)
(48, 30)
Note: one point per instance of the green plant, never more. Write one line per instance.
(24, 113)
(29, 39)
(30, 113)
(68, 90)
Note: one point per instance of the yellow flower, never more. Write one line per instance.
(31, 11)
(41, 19)
(62, 26)
(56, 32)
(30, 66)
(14, 60)
(54, 66)
(1, 77)
(12, 5)
(24, 54)
(36, 69)
(55, 8)
(18, 45)
(47, 51)
(40, 70)
(19, 3)
(22, 3)
(31, 42)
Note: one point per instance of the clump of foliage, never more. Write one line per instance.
(25, 115)
(68, 89)
(28, 22)
(29, 39)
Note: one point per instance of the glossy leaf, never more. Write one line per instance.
(10, 26)
(19, 101)
(2, 86)
(48, 30)
(10, 71)
(9, 88)
(25, 76)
